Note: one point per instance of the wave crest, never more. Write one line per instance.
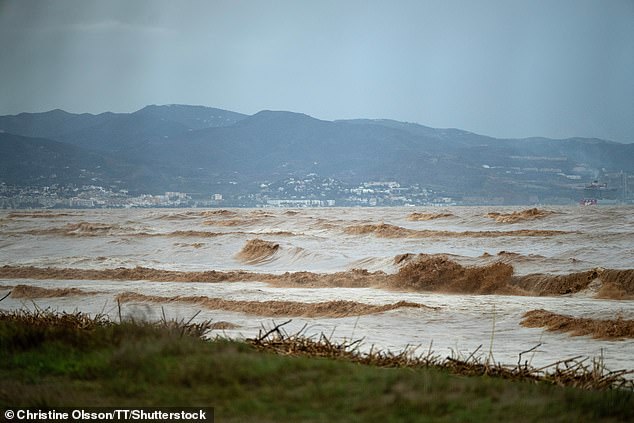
(338, 308)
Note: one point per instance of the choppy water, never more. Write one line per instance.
(320, 240)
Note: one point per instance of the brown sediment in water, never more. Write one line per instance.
(550, 285)
(384, 230)
(222, 325)
(432, 273)
(605, 329)
(257, 251)
(438, 273)
(355, 278)
(176, 234)
(512, 257)
(195, 214)
(427, 216)
(39, 214)
(129, 233)
(193, 245)
(338, 308)
(124, 273)
(220, 212)
(231, 222)
(73, 229)
(27, 291)
(617, 284)
(530, 214)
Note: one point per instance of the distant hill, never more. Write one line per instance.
(196, 148)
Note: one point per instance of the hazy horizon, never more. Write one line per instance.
(506, 69)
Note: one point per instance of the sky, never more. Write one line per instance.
(504, 68)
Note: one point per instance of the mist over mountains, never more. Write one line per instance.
(202, 150)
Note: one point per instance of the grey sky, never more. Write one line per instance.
(505, 68)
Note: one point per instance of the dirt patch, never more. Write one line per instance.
(605, 329)
(427, 216)
(257, 251)
(27, 291)
(530, 214)
(337, 308)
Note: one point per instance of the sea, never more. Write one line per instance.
(339, 272)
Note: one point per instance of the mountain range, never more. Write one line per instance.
(203, 150)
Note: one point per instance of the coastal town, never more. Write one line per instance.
(306, 192)
(310, 190)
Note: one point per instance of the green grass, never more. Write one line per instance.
(147, 365)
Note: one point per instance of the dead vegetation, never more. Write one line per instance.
(618, 328)
(39, 324)
(27, 329)
(575, 372)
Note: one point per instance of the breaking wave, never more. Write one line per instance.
(338, 308)
(384, 230)
(435, 273)
(39, 214)
(438, 273)
(606, 329)
(427, 216)
(231, 222)
(196, 214)
(257, 251)
(27, 291)
(617, 284)
(530, 214)
(220, 212)
(75, 229)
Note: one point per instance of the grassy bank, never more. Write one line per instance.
(73, 360)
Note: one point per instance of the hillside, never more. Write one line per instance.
(201, 149)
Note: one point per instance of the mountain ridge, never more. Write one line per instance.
(197, 148)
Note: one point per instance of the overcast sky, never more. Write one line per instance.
(555, 68)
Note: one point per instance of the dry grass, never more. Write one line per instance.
(575, 372)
